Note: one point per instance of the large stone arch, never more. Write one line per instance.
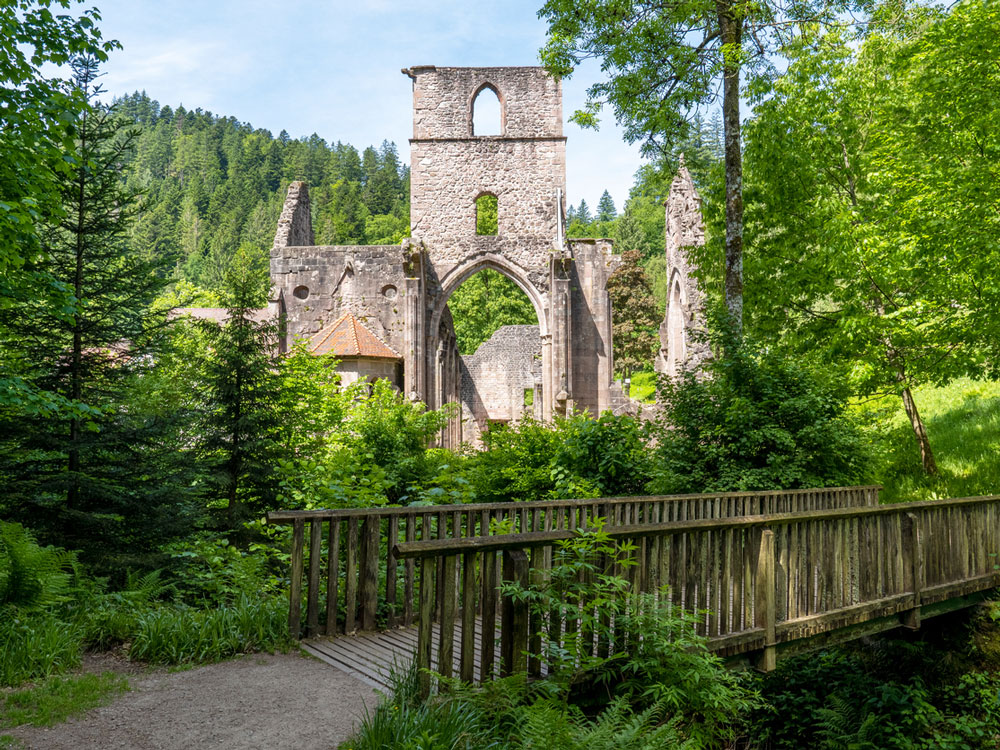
(459, 273)
(439, 331)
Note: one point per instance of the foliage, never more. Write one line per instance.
(93, 352)
(663, 62)
(487, 216)
(38, 116)
(35, 645)
(886, 694)
(755, 421)
(208, 571)
(214, 183)
(608, 452)
(636, 318)
(516, 463)
(484, 303)
(178, 634)
(876, 245)
(58, 698)
(32, 577)
(374, 456)
(964, 417)
(576, 456)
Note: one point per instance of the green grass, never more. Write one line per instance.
(963, 425)
(644, 387)
(55, 699)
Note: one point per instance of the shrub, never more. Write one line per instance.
(609, 453)
(754, 421)
(516, 463)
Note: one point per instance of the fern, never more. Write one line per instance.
(33, 577)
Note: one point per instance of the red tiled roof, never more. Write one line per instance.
(348, 337)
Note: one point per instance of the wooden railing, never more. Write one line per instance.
(784, 582)
(354, 581)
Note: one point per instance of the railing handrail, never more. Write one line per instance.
(290, 516)
(531, 540)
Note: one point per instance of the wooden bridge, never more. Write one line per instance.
(771, 574)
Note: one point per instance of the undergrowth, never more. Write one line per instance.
(50, 612)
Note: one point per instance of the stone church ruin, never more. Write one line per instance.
(383, 310)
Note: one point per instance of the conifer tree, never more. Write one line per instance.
(606, 208)
(84, 477)
(242, 388)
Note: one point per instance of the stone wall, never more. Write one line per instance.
(295, 223)
(495, 378)
(320, 283)
(682, 343)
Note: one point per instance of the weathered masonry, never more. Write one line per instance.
(399, 294)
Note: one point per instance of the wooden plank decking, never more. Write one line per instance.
(371, 656)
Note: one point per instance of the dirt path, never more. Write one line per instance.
(260, 701)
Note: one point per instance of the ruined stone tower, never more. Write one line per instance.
(399, 294)
(681, 345)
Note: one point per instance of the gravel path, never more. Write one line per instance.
(261, 701)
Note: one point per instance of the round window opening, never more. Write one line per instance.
(302, 292)
(389, 291)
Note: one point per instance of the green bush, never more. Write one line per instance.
(516, 463)
(609, 453)
(755, 421)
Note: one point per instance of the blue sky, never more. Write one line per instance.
(333, 67)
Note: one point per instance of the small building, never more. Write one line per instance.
(360, 354)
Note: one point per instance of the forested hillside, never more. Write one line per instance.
(212, 183)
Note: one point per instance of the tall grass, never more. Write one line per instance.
(178, 634)
(35, 646)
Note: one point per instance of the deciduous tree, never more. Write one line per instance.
(664, 60)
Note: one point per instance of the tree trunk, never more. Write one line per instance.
(926, 454)
(731, 28)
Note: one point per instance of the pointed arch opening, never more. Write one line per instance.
(486, 116)
(498, 335)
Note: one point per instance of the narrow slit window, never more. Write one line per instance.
(486, 119)
(486, 214)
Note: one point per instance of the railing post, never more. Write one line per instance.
(764, 596)
(467, 667)
(371, 531)
(425, 618)
(449, 603)
(488, 599)
(312, 595)
(913, 559)
(295, 587)
(514, 616)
